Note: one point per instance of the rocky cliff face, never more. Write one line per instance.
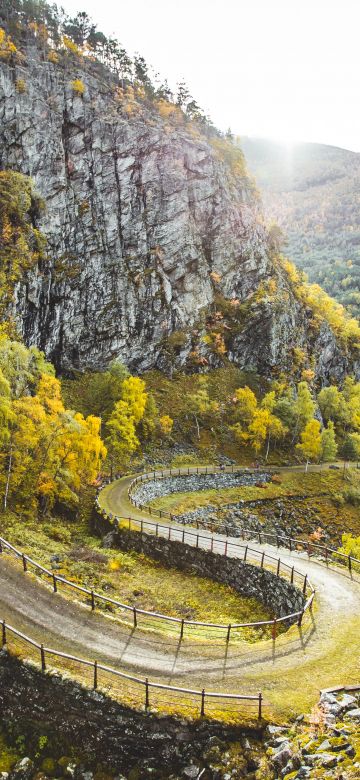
(140, 213)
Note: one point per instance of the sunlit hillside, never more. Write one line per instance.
(313, 192)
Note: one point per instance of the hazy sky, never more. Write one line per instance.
(285, 69)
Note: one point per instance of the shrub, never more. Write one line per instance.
(20, 86)
(338, 499)
(7, 47)
(58, 533)
(123, 561)
(71, 46)
(53, 56)
(352, 496)
(83, 207)
(350, 545)
(78, 87)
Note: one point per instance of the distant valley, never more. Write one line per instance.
(313, 192)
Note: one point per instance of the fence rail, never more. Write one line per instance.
(153, 619)
(229, 549)
(137, 691)
(278, 540)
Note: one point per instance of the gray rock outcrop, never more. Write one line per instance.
(140, 213)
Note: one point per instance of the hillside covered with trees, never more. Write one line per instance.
(151, 326)
(313, 192)
(154, 247)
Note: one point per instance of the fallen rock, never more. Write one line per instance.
(23, 770)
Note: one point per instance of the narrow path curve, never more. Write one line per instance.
(324, 652)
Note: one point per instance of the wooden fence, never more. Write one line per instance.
(133, 691)
(328, 554)
(155, 620)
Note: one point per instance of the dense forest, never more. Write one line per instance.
(312, 191)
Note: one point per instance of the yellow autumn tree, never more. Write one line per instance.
(8, 49)
(200, 405)
(310, 445)
(257, 425)
(166, 425)
(48, 452)
(134, 394)
(121, 440)
(245, 404)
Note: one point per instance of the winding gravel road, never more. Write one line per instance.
(290, 672)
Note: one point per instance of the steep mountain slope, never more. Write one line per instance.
(313, 192)
(157, 247)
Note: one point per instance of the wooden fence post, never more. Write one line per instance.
(24, 562)
(292, 575)
(260, 706)
(3, 633)
(228, 633)
(278, 568)
(202, 711)
(95, 676)
(135, 617)
(42, 655)
(54, 584)
(262, 560)
(146, 693)
(274, 629)
(305, 585)
(92, 600)
(182, 629)
(245, 553)
(350, 564)
(300, 618)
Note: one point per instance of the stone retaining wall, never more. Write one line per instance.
(279, 596)
(144, 492)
